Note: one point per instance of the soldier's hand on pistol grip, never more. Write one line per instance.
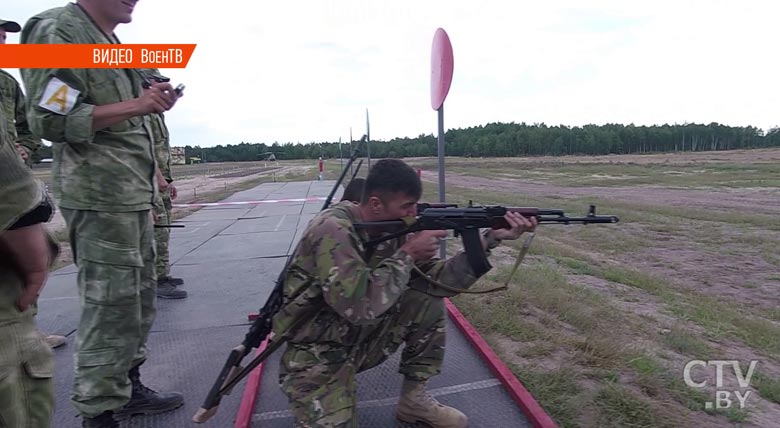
(424, 244)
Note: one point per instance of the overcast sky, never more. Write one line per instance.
(302, 71)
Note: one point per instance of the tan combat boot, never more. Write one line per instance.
(416, 405)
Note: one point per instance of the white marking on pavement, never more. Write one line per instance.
(278, 225)
(264, 201)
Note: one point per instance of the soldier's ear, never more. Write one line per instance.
(375, 203)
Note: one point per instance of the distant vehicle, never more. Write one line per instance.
(177, 156)
(268, 156)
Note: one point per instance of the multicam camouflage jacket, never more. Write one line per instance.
(332, 294)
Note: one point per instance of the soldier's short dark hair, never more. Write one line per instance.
(354, 190)
(389, 176)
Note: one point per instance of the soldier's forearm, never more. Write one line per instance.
(107, 115)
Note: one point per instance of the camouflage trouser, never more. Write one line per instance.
(117, 286)
(319, 379)
(26, 363)
(162, 205)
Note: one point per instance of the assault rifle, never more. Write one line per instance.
(261, 328)
(467, 222)
(422, 206)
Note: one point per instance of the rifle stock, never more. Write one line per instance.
(229, 370)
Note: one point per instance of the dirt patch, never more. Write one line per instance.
(245, 173)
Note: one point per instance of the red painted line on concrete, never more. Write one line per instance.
(264, 201)
(536, 415)
(252, 389)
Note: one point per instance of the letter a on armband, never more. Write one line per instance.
(58, 97)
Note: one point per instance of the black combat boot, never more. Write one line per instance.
(103, 420)
(171, 280)
(167, 291)
(145, 401)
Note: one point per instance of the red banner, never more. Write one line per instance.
(96, 56)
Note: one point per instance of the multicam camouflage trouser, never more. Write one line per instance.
(117, 285)
(319, 378)
(162, 235)
(26, 362)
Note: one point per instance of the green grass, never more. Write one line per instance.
(557, 391)
(590, 331)
(721, 319)
(622, 408)
(682, 341)
(768, 387)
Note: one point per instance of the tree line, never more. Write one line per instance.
(513, 139)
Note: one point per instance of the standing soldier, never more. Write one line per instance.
(103, 177)
(13, 105)
(166, 284)
(26, 362)
(25, 143)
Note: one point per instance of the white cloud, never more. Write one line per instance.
(307, 70)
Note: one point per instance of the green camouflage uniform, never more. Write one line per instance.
(162, 204)
(104, 184)
(12, 104)
(26, 361)
(354, 315)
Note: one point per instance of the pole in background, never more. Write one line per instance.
(341, 158)
(368, 141)
(441, 79)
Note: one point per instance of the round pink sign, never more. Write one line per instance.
(441, 68)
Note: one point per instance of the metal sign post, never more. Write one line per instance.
(441, 79)
(341, 158)
(368, 141)
(351, 150)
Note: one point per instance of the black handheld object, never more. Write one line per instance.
(179, 89)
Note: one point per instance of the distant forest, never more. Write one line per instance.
(512, 139)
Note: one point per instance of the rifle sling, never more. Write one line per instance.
(520, 257)
(436, 283)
